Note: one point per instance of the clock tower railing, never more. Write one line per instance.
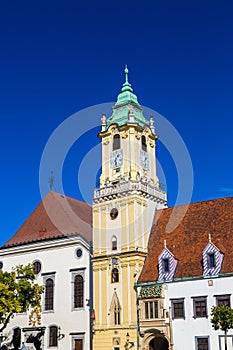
(124, 188)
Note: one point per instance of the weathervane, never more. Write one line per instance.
(51, 181)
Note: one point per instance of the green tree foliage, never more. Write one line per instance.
(18, 292)
(222, 318)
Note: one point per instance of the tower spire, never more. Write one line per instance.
(126, 99)
(126, 74)
(126, 86)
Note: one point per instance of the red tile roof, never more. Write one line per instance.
(56, 216)
(188, 240)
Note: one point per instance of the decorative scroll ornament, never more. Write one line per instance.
(151, 292)
(35, 316)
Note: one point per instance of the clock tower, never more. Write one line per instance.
(123, 211)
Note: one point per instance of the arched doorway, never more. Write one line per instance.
(158, 343)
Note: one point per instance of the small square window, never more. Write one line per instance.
(177, 308)
(202, 343)
(200, 307)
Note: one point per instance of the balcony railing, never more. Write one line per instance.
(137, 187)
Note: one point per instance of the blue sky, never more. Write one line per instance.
(58, 57)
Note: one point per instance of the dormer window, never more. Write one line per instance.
(116, 142)
(211, 260)
(167, 265)
(144, 145)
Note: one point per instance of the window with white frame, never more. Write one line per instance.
(77, 341)
(78, 291)
(49, 286)
(78, 283)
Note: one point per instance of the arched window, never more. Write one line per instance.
(144, 146)
(117, 315)
(49, 291)
(53, 335)
(37, 267)
(116, 142)
(114, 243)
(115, 275)
(78, 291)
(115, 310)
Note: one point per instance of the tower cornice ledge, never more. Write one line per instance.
(126, 188)
(126, 127)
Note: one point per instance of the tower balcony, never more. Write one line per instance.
(124, 188)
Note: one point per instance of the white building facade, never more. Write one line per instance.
(186, 273)
(62, 265)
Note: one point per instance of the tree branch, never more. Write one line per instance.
(7, 320)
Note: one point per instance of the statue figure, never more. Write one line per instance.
(35, 340)
(16, 339)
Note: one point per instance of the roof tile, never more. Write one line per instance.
(55, 216)
(188, 240)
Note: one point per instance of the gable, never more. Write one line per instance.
(55, 216)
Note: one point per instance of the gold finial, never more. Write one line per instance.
(210, 237)
(165, 243)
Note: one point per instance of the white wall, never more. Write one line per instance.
(56, 256)
(185, 330)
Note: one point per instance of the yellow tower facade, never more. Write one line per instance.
(123, 210)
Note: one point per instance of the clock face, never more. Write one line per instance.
(116, 158)
(144, 160)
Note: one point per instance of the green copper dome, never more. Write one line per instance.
(127, 109)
